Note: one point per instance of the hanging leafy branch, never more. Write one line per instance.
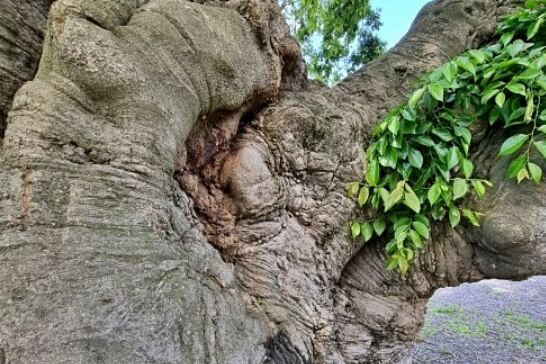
(419, 168)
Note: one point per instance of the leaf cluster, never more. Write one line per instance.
(419, 167)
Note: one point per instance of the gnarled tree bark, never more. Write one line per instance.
(173, 191)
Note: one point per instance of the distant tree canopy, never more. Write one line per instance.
(337, 36)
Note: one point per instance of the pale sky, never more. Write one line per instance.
(396, 16)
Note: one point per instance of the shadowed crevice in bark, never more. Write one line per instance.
(281, 351)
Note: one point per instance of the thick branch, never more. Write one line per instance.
(442, 30)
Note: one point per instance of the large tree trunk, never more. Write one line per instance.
(172, 190)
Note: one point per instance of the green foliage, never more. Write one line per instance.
(525, 322)
(419, 167)
(337, 36)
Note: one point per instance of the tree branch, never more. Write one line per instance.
(442, 30)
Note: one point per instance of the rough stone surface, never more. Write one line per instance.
(173, 191)
(490, 322)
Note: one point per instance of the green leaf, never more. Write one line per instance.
(522, 174)
(517, 88)
(471, 216)
(408, 114)
(416, 97)
(500, 98)
(494, 115)
(395, 196)
(443, 172)
(536, 52)
(400, 235)
(541, 147)
(443, 134)
(479, 55)
(363, 196)
(411, 200)
(437, 212)
(382, 145)
(389, 159)
(460, 188)
(436, 90)
(516, 114)
(384, 195)
(506, 38)
(513, 144)
(392, 262)
(434, 193)
(415, 239)
(372, 173)
(531, 4)
(409, 254)
(415, 158)
(379, 128)
(487, 75)
(366, 231)
(454, 216)
(402, 264)
(421, 228)
(533, 28)
(489, 94)
(453, 157)
(401, 221)
(542, 129)
(536, 172)
(478, 187)
(529, 110)
(355, 229)
(352, 189)
(467, 167)
(424, 140)
(422, 218)
(528, 74)
(450, 71)
(515, 166)
(463, 133)
(465, 64)
(379, 225)
(394, 124)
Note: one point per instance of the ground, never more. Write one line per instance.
(492, 321)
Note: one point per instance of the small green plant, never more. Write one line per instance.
(525, 322)
(427, 332)
(459, 327)
(419, 166)
(448, 310)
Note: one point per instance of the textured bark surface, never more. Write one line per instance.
(173, 192)
(22, 25)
